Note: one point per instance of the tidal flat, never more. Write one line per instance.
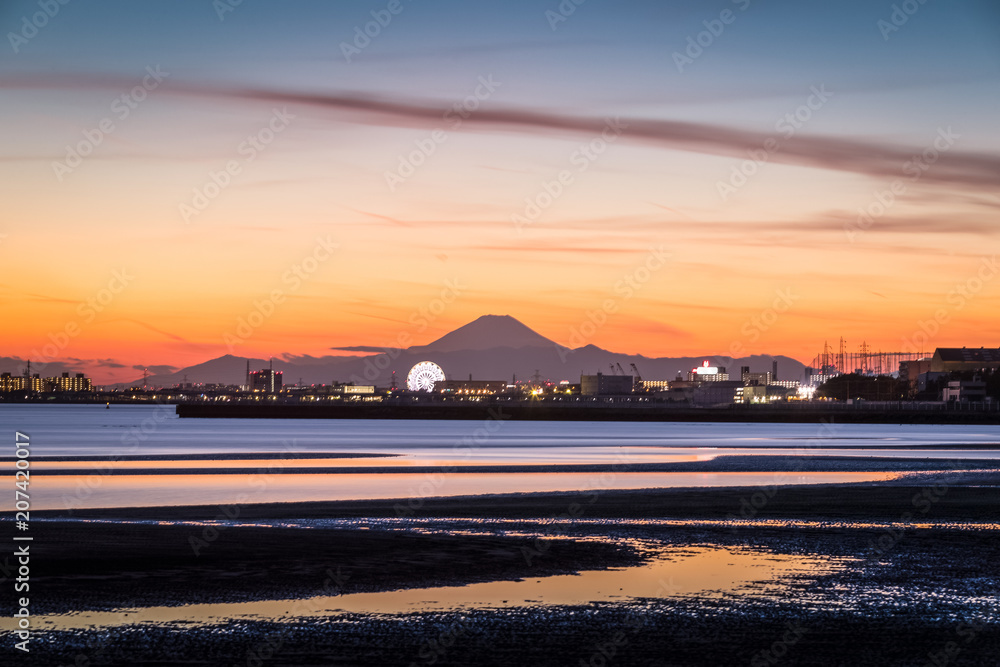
(900, 572)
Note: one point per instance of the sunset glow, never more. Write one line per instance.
(156, 195)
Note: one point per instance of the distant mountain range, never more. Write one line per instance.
(493, 347)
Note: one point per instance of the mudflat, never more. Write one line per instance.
(903, 591)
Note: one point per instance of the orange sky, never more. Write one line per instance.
(341, 200)
(447, 259)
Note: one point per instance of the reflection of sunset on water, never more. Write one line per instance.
(60, 492)
(693, 571)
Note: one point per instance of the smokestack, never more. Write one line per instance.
(774, 369)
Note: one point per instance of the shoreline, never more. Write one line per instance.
(502, 411)
(726, 463)
(965, 500)
(905, 591)
(916, 583)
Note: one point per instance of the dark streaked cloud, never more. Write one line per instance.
(839, 221)
(79, 364)
(156, 369)
(869, 157)
(361, 348)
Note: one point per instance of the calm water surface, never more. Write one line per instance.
(123, 430)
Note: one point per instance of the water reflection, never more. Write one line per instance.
(90, 429)
(94, 490)
(704, 571)
(445, 457)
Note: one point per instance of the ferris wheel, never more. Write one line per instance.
(423, 376)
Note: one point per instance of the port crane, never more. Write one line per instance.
(638, 378)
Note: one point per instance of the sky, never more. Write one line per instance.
(184, 179)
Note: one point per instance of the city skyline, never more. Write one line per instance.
(495, 346)
(693, 178)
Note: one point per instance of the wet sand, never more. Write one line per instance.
(902, 596)
(109, 565)
(972, 496)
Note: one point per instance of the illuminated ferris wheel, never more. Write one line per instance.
(423, 376)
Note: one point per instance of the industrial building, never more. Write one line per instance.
(470, 387)
(606, 385)
(353, 389)
(706, 373)
(267, 381)
(911, 369)
(653, 385)
(964, 391)
(921, 373)
(754, 379)
(948, 359)
(718, 392)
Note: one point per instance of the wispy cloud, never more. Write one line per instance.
(869, 157)
(393, 221)
(49, 299)
(359, 348)
(151, 328)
